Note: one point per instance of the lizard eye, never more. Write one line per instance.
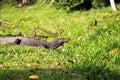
(60, 40)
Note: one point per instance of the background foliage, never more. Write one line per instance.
(66, 4)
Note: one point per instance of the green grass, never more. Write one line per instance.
(93, 52)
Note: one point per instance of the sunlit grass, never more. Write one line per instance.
(93, 52)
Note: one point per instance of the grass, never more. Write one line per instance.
(93, 52)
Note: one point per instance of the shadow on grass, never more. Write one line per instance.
(44, 74)
(98, 73)
(60, 74)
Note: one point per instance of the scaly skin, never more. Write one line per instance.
(31, 42)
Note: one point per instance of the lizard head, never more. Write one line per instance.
(62, 40)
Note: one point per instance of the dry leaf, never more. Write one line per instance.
(112, 51)
(33, 77)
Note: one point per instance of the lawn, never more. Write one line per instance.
(93, 52)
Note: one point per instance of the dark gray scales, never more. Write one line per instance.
(31, 42)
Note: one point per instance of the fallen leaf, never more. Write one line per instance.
(112, 51)
(33, 77)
